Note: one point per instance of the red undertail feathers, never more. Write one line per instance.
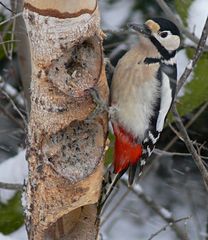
(126, 151)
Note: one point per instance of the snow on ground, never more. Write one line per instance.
(20, 234)
(14, 170)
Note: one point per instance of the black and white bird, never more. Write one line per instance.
(142, 91)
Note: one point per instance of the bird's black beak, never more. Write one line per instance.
(143, 29)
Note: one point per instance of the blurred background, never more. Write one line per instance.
(172, 189)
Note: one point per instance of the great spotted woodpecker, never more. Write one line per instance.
(142, 91)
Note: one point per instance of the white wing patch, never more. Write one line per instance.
(152, 138)
(166, 99)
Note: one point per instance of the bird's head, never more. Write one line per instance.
(163, 33)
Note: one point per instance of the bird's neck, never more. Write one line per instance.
(150, 50)
(164, 53)
(156, 53)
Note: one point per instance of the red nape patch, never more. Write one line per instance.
(126, 150)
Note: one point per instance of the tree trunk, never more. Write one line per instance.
(64, 151)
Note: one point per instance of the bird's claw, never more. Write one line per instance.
(101, 106)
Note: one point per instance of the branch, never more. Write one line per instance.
(179, 123)
(14, 105)
(11, 18)
(197, 55)
(162, 152)
(6, 7)
(169, 13)
(11, 186)
(190, 146)
(162, 212)
(119, 32)
(167, 225)
(11, 117)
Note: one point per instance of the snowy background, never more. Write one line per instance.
(173, 183)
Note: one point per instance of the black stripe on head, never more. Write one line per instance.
(165, 53)
(166, 25)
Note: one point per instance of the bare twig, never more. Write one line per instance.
(10, 116)
(166, 226)
(192, 120)
(6, 7)
(162, 212)
(14, 106)
(190, 146)
(175, 131)
(197, 55)
(118, 32)
(118, 202)
(4, 46)
(11, 186)
(169, 13)
(162, 152)
(11, 18)
(9, 41)
(12, 92)
(12, 34)
(194, 209)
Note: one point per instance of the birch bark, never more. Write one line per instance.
(64, 152)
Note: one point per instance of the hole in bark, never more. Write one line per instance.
(75, 151)
(79, 68)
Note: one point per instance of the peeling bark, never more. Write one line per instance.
(64, 152)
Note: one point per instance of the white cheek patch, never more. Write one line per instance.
(171, 42)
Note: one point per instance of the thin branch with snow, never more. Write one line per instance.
(11, 18)
(169, 13)
(14, 105)
(1, 3)
(166, 153)
(196, 157)
(196, 57)
(11, 186)
(166, 226)
(161, 211)
(183, 132)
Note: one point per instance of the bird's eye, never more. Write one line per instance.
(163, 34)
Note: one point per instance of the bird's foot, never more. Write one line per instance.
(101, 105)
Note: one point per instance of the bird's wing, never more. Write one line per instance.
(167, 75)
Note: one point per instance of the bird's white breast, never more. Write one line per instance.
(134, 111)
(134, 96)
(135, 89)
